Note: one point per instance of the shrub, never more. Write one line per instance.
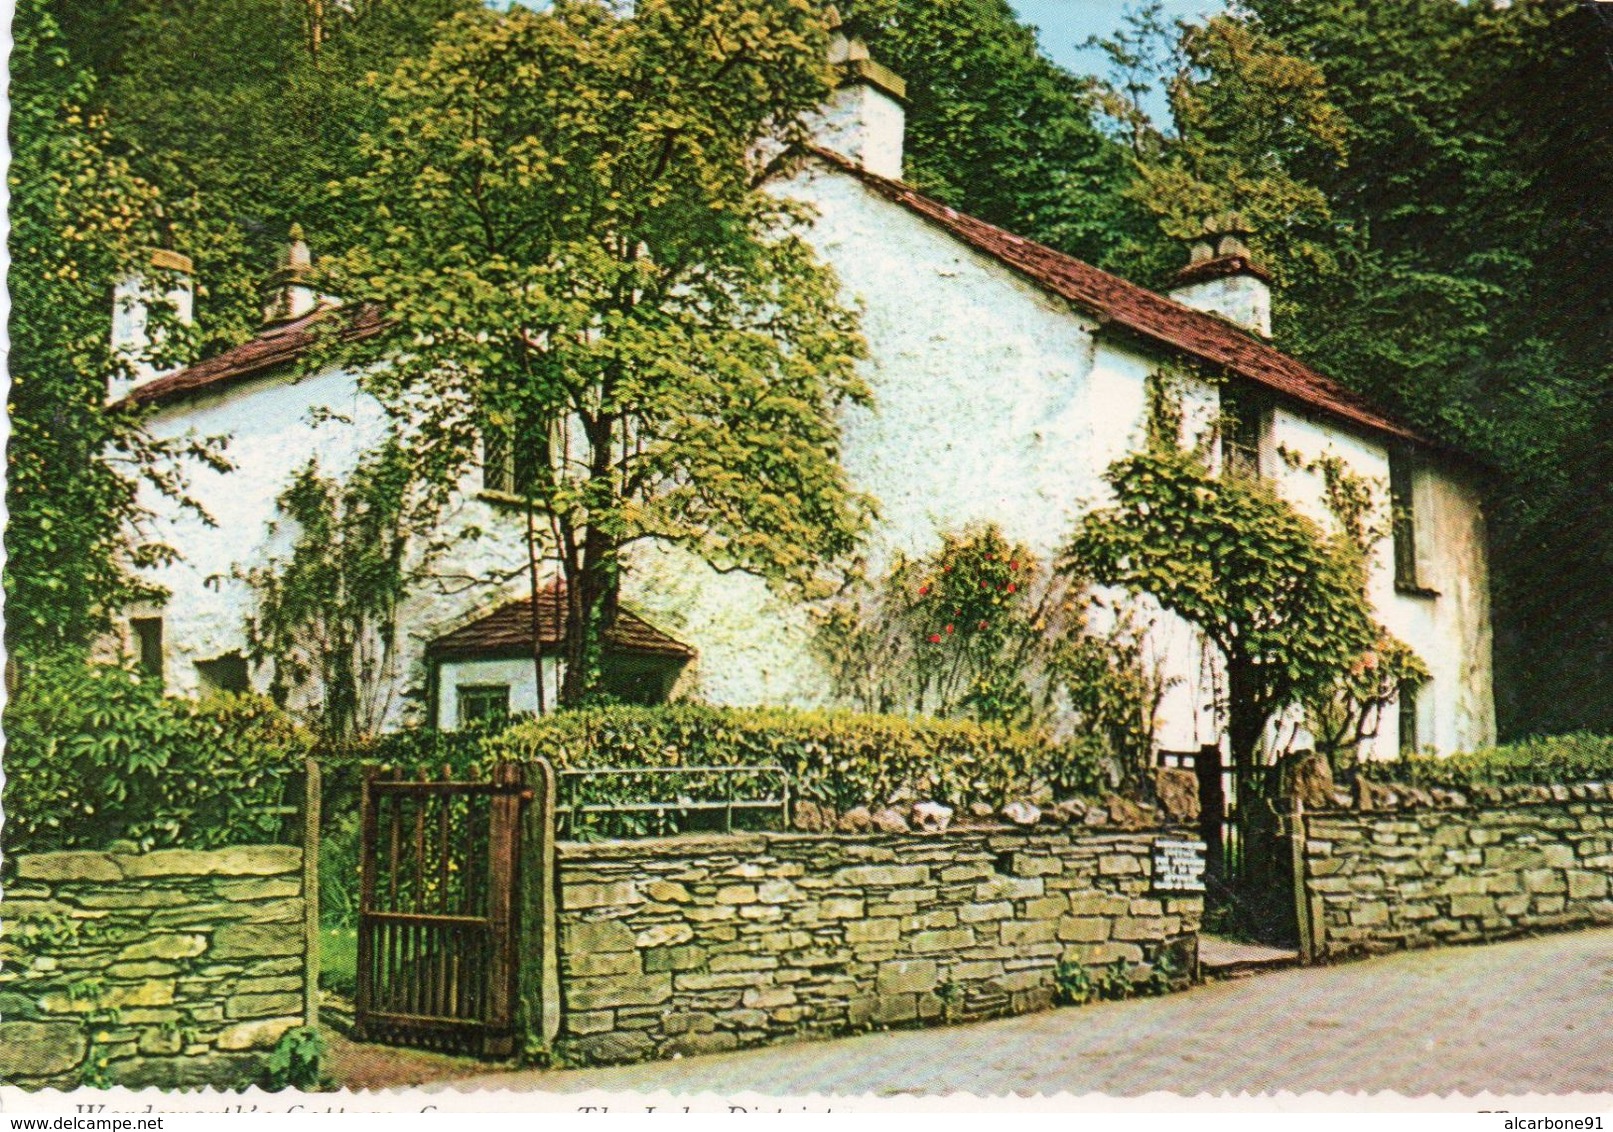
(1543, 760)
(96, 754)
(838, 758)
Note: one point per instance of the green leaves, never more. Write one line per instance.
(1279, 598)
(584, 248)
(96, 753)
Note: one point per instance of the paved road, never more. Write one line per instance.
(1524, 1016)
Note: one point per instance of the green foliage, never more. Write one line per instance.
(1278, 597)
(841, 759)
(294, 1062)
(330, 611)
(338, 954)
(568, 206)
(96, 753)
(1545, 760)
(80, 220)
(1073, 984)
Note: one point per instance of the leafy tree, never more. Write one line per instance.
(996, 128)
(1249, 122)
(1279, 599)
(80, 220)
(572, 241)
(255, 107)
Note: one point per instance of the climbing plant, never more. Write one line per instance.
(982, 629)
(327, 614)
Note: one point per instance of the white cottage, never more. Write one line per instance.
(1007, 377)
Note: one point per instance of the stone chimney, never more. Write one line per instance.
(288, 293)
(1222, 277)
(866, 117)
(167, 281)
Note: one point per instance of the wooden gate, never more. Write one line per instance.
(438, 933)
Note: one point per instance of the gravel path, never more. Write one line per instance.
(1531, 1015)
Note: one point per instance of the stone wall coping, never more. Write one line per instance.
(97, 866)
(1415, 799)
(754, 841)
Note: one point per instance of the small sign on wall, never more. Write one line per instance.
(1178, 866)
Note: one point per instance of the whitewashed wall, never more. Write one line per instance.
(995, 403)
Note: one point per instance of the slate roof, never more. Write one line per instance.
(508, 630)
(1111, 299)
(277, 345)
(1114, 301)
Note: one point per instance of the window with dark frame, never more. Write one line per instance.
(511, 458)
(1243, 419)
(482, 703)
(1407, 703)
(148, 640)
(227, 673)
(1403, 523)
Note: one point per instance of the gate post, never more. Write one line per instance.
(539, 960)
(365, 998)
(1297, 835)
(503, 850)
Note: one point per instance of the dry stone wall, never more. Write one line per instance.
(693, 945)
(172, 968)
(1526, 859)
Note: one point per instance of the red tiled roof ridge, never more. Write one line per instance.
(1120, 302)
(273, 346)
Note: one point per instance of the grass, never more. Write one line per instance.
(338, 961)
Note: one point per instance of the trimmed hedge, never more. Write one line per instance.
(1543, 761)
(839, 758)
(96, 753)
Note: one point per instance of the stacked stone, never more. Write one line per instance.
(172, 968)
(686, 946)
(1417, 877)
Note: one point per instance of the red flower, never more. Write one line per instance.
(924, 589)
(949, 628)
(935, 638)
(983, 624)
(1013, 565)
(1012, 587)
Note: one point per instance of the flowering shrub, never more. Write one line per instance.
(966, 631)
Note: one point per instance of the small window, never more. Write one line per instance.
(511, 458)
(1408, 695)
(227, 673)
(483, 703)
(1243, 420)
(1402, 502)
(148, 642)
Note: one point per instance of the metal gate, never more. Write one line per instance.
(438, 933)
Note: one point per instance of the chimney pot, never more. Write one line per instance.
(866, 118)
(1222, 277)
(133, 338)
(287, 293)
